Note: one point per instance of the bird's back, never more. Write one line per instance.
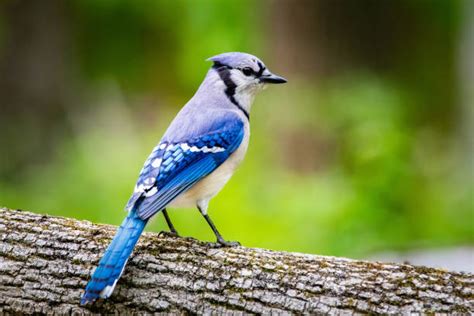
(199, 118)
(208, 110)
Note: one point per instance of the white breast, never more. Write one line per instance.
(208, 187)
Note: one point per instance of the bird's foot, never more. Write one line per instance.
(221, 242)
(173, 234)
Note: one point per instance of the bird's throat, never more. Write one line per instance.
(231, 91)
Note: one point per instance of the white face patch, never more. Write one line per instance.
(242, 81)
(247, 88)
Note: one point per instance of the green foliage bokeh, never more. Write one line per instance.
(336, 167)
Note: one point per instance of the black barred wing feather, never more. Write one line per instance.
(174, 167)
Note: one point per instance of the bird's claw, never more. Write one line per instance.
(223, 243)
(172, 234)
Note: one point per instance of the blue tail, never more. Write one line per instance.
(115, 258)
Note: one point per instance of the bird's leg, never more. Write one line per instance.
(173, 230)
(220, 240)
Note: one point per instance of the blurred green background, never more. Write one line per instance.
(368, 148)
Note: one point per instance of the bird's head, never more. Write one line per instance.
(244, 71)
(243, 74)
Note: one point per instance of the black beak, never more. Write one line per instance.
(271, 78)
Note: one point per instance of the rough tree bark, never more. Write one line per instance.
(46, 261)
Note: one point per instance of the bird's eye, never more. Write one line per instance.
(247, 71)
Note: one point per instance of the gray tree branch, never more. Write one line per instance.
(46, 261)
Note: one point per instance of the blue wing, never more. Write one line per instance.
(175, 166)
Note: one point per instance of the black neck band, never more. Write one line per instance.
(224, 74)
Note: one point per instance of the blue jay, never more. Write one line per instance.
(198, 154)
